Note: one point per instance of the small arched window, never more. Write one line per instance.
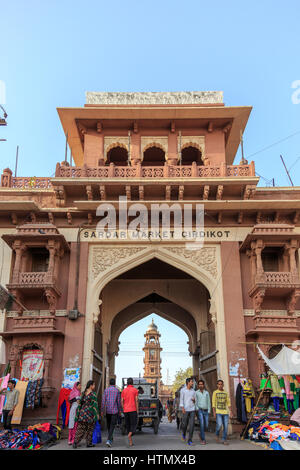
(154, 156)
(117, 155)
(191, 154)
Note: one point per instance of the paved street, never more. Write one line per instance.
(168, 438)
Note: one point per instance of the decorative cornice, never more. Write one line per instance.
(144, 98)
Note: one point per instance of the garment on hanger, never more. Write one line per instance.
(240, 404)
(248, 393)
(276, 389)
(64, 406)
(263, 380)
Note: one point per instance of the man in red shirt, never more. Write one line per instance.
(130, 405)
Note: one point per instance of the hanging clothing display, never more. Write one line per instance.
(248, 394)
(240, 404)
(276, 389)
(63, 406)
(3, 384)
(263, 379)
(32, 365)
(30, 394)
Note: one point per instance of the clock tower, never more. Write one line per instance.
(152, 349)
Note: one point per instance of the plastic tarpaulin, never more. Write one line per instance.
(287, 361)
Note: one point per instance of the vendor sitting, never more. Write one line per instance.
(295, 418)
(12, 398)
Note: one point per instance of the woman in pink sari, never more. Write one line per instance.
(74, 400)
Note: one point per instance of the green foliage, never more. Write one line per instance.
(180, 378)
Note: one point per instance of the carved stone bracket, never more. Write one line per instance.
(258, 300)
(292, 301)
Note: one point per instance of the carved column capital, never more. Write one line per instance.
(258, 300)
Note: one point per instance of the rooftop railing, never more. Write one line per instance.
(128, 172)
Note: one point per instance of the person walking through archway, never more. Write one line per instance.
(87, 415)
(111, 407)
(222, 410)
(203, 409)
(187, 405)
(130, 405)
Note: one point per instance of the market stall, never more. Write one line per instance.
(278, 398)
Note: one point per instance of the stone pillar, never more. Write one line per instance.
(52, 251)
(259, 265)
(233, 312)
(291, 248)
(19, 248)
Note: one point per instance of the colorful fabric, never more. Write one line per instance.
(33, 439)
(289, 394)
(33, 393)
(84, 429)
(129, 395)
(262, 383)
(111, 401)
(75, 392)
(72, 433)
(32, 365)
(3, 384)
(248, 394)
(276, 389)
(221, 402)
(63, 399)
(87, 411)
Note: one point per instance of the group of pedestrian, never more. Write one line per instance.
(192, 402)
(84, 412)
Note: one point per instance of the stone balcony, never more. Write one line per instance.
(34, 324)
(283, 280)
(166, 171)
(33, 280)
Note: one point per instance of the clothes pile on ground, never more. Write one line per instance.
(39, 436)
(278, 435)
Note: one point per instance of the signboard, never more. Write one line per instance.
(71, 376)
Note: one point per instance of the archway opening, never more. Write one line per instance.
(156, 352)
(117, 155)
(154, 156)
(155, 286)
(191, 154)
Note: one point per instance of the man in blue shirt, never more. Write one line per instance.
(111, 405)
(203, 407)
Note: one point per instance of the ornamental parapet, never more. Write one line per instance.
(166, 171)
(136, 171)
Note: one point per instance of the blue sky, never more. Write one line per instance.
(53, 51)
